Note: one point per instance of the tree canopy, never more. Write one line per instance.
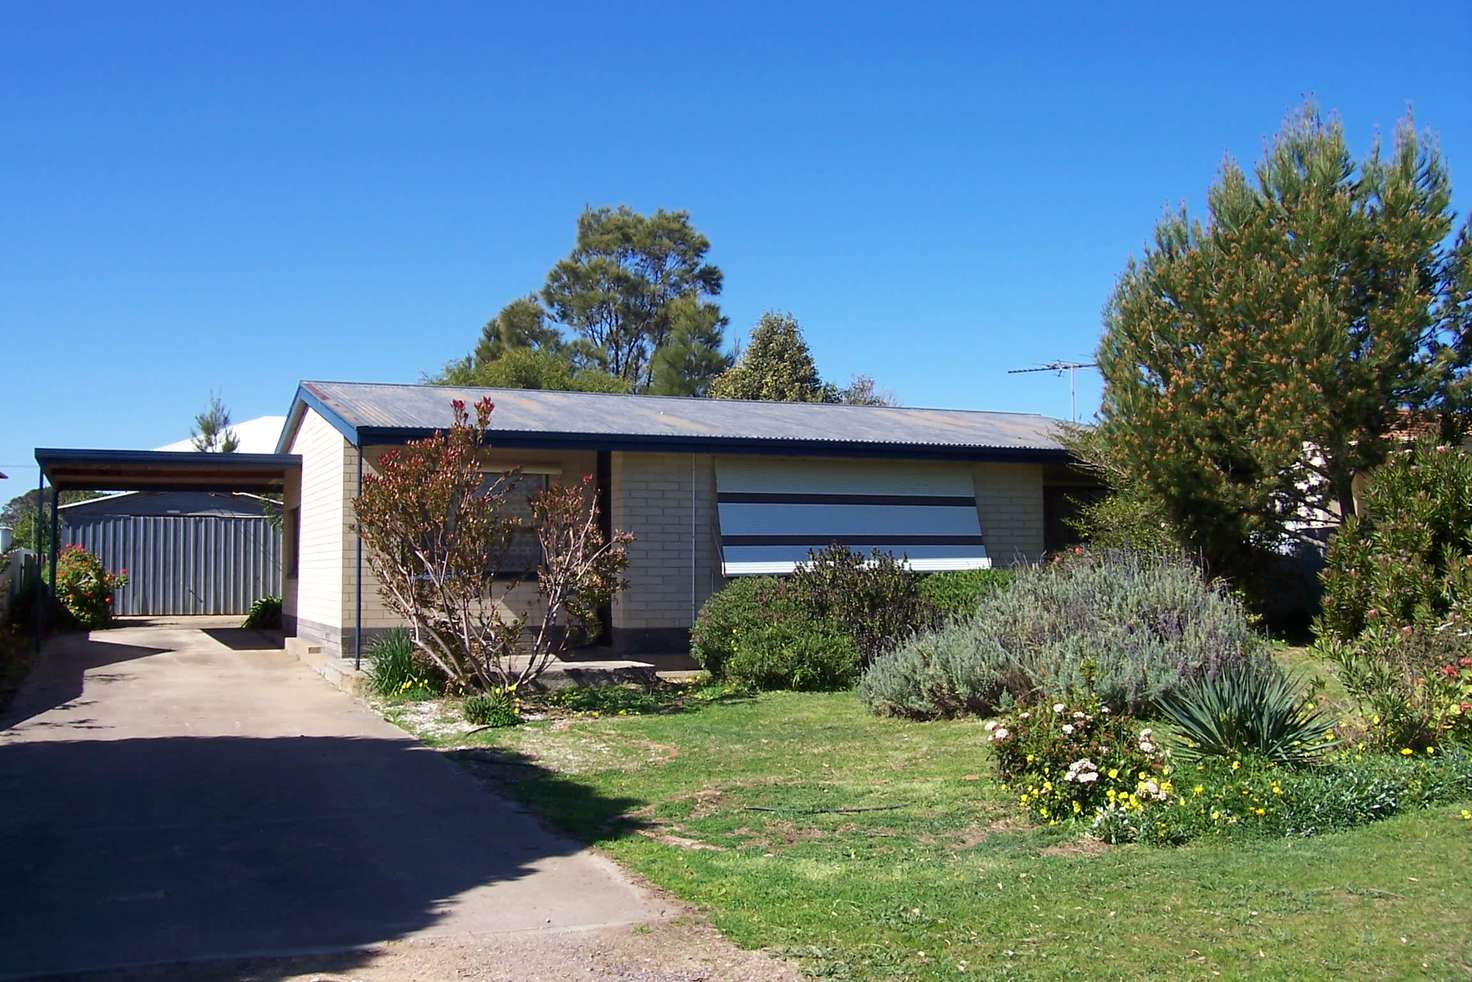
(617, 292)
(1253, 363)
(632, 309)
(776, 365)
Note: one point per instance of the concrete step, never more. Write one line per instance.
(338, 672)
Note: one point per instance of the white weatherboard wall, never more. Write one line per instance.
(312, 601)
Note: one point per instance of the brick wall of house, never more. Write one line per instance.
(1009, 501)
(669, 502)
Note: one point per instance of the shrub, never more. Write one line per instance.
(794, 654)
(1409, 682)
(495, 708)
(84, 589)
(739, 607)
(1116, 626)
(264, 614)
(1066, 761)
(1242, 711)
(874, 599)
(395, 668)
(1406, 557)
(959, 593)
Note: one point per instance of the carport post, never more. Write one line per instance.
(36, 595)
(55, 531)
(358, 578)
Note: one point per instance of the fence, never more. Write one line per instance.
(20, 568)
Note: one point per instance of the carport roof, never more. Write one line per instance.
(160, 470)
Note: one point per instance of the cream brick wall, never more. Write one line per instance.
(315, 595)
(1009, 501)
(652, 498)
(522, 600)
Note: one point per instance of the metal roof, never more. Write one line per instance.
(367, 413)
(147, 470)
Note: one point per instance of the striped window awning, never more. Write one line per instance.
(774, 510)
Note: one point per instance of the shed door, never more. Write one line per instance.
(774, 510)
(185, 564)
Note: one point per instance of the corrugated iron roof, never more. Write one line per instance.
(376, 412)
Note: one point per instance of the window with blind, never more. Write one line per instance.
(773, 511)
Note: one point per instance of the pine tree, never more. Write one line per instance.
(777, 365)
(1254, 364)
(211, 432)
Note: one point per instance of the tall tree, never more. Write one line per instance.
(530, 368)
(211, 432)
(777, 365)
(617, 289)
(522, 323)
(691, 357)
(1254, 364)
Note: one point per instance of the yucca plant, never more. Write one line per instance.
(1244, 710)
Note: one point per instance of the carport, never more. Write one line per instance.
(151, 470)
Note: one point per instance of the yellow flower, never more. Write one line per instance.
(1277, 790)
(1113, 773)
(1406, 751)
(1198, 789)
(1077, 808)
(1236, 764)
(1215, 814)
(1043, 811)
(1430, 751)
(1047, 785)
(1374, 720)
(1260, 811)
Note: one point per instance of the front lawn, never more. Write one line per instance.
(875, 848)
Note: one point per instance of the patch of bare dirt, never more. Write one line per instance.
(1084, 845)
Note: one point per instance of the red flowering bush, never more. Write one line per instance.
(438, 531)
(84, 588)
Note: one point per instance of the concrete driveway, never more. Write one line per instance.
(180, 790)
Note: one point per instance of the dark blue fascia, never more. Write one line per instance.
(381, 435)
(305, 398)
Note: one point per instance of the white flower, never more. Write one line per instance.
(1078, 715)
(1068, 728)
(1025, 716)
(1000, 733)
(1058, 707)
(1147, 747)
(991, 724)
(1083, 770)
(1103, 709)
(1144, 734)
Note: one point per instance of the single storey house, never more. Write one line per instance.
(711, 490)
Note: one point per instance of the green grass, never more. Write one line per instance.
(872, 848)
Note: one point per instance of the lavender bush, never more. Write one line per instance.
(1115, 626)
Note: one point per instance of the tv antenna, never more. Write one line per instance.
(1058, 368)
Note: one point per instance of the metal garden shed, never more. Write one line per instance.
(186, 552)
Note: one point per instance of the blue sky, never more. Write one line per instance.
(236, 196)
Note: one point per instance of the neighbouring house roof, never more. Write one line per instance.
(376, 413)
(257, 435)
